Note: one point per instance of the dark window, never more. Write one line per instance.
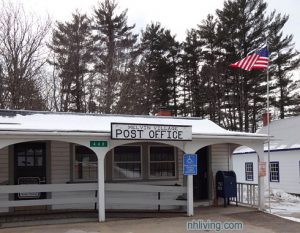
(162, 161)
(249, 171)
(274, 171)
(85, 164)
(127, 162)
(29, 155)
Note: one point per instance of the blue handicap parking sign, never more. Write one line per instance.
(189, 164)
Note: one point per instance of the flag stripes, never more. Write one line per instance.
(257, 60)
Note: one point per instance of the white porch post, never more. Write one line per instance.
(261, 184)
(190, 197)
(101, 189)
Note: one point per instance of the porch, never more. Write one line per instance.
(127, 174)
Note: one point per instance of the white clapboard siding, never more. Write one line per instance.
(4, 165)
(4, 174)
(219, 161)
(239, 161)
(60, 162)
(60, 169)
(289, 169)
(219, 157)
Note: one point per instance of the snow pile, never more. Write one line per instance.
(283, 204)
(291, 218)
(280, 195)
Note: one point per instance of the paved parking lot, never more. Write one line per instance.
(252, 220)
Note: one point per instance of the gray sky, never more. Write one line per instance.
(176, 15)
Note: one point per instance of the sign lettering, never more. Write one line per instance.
(151, 132)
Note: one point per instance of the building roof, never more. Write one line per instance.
(77, 123)
(284, 136)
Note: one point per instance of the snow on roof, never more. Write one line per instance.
(30, 121)
(284, 136)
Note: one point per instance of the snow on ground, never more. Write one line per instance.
(79, 231)
(283, 204)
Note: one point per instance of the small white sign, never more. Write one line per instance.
(151, 132)
(29, 180)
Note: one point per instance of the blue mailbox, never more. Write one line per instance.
(226, 186)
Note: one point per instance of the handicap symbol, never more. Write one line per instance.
(189, 160)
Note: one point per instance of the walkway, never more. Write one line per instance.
(253, 221)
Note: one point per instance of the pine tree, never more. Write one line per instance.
(211, 71)
(193, 92)
(132, 94)
(159, 51)
(242, 28)
(114, 45)
(72, 46)
(285, 59)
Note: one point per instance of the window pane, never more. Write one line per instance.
(274, 171)
(161, 153)
(162, 162)
(30, 161)
(38, 152)
(127, 170)
(127, 162)
(21, 161)
(38, 161)
(127, 153)
(249, 171)
(82, 152)
(85, 164)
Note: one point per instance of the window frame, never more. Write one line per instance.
(114, 178)
(175, 164)
(247, 172)
(270, 176)
(74, 161)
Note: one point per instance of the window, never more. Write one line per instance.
(162, 162)
(127, 162)
(249, 171)
(30, 155)
(85, 164)
(274, 171)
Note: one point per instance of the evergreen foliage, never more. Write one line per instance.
(100, 65)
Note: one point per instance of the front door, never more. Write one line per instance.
(200, 181)
(30, 167)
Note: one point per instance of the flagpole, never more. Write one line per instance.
(268, 132)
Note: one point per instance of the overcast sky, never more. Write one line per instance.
(176, 15)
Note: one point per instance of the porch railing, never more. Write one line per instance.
(162, 195)
(157, 199)
(45, 188)
(247, 194)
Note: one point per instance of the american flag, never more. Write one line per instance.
(257, 60)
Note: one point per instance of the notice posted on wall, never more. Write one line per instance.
(262, 169)
(29, 180)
